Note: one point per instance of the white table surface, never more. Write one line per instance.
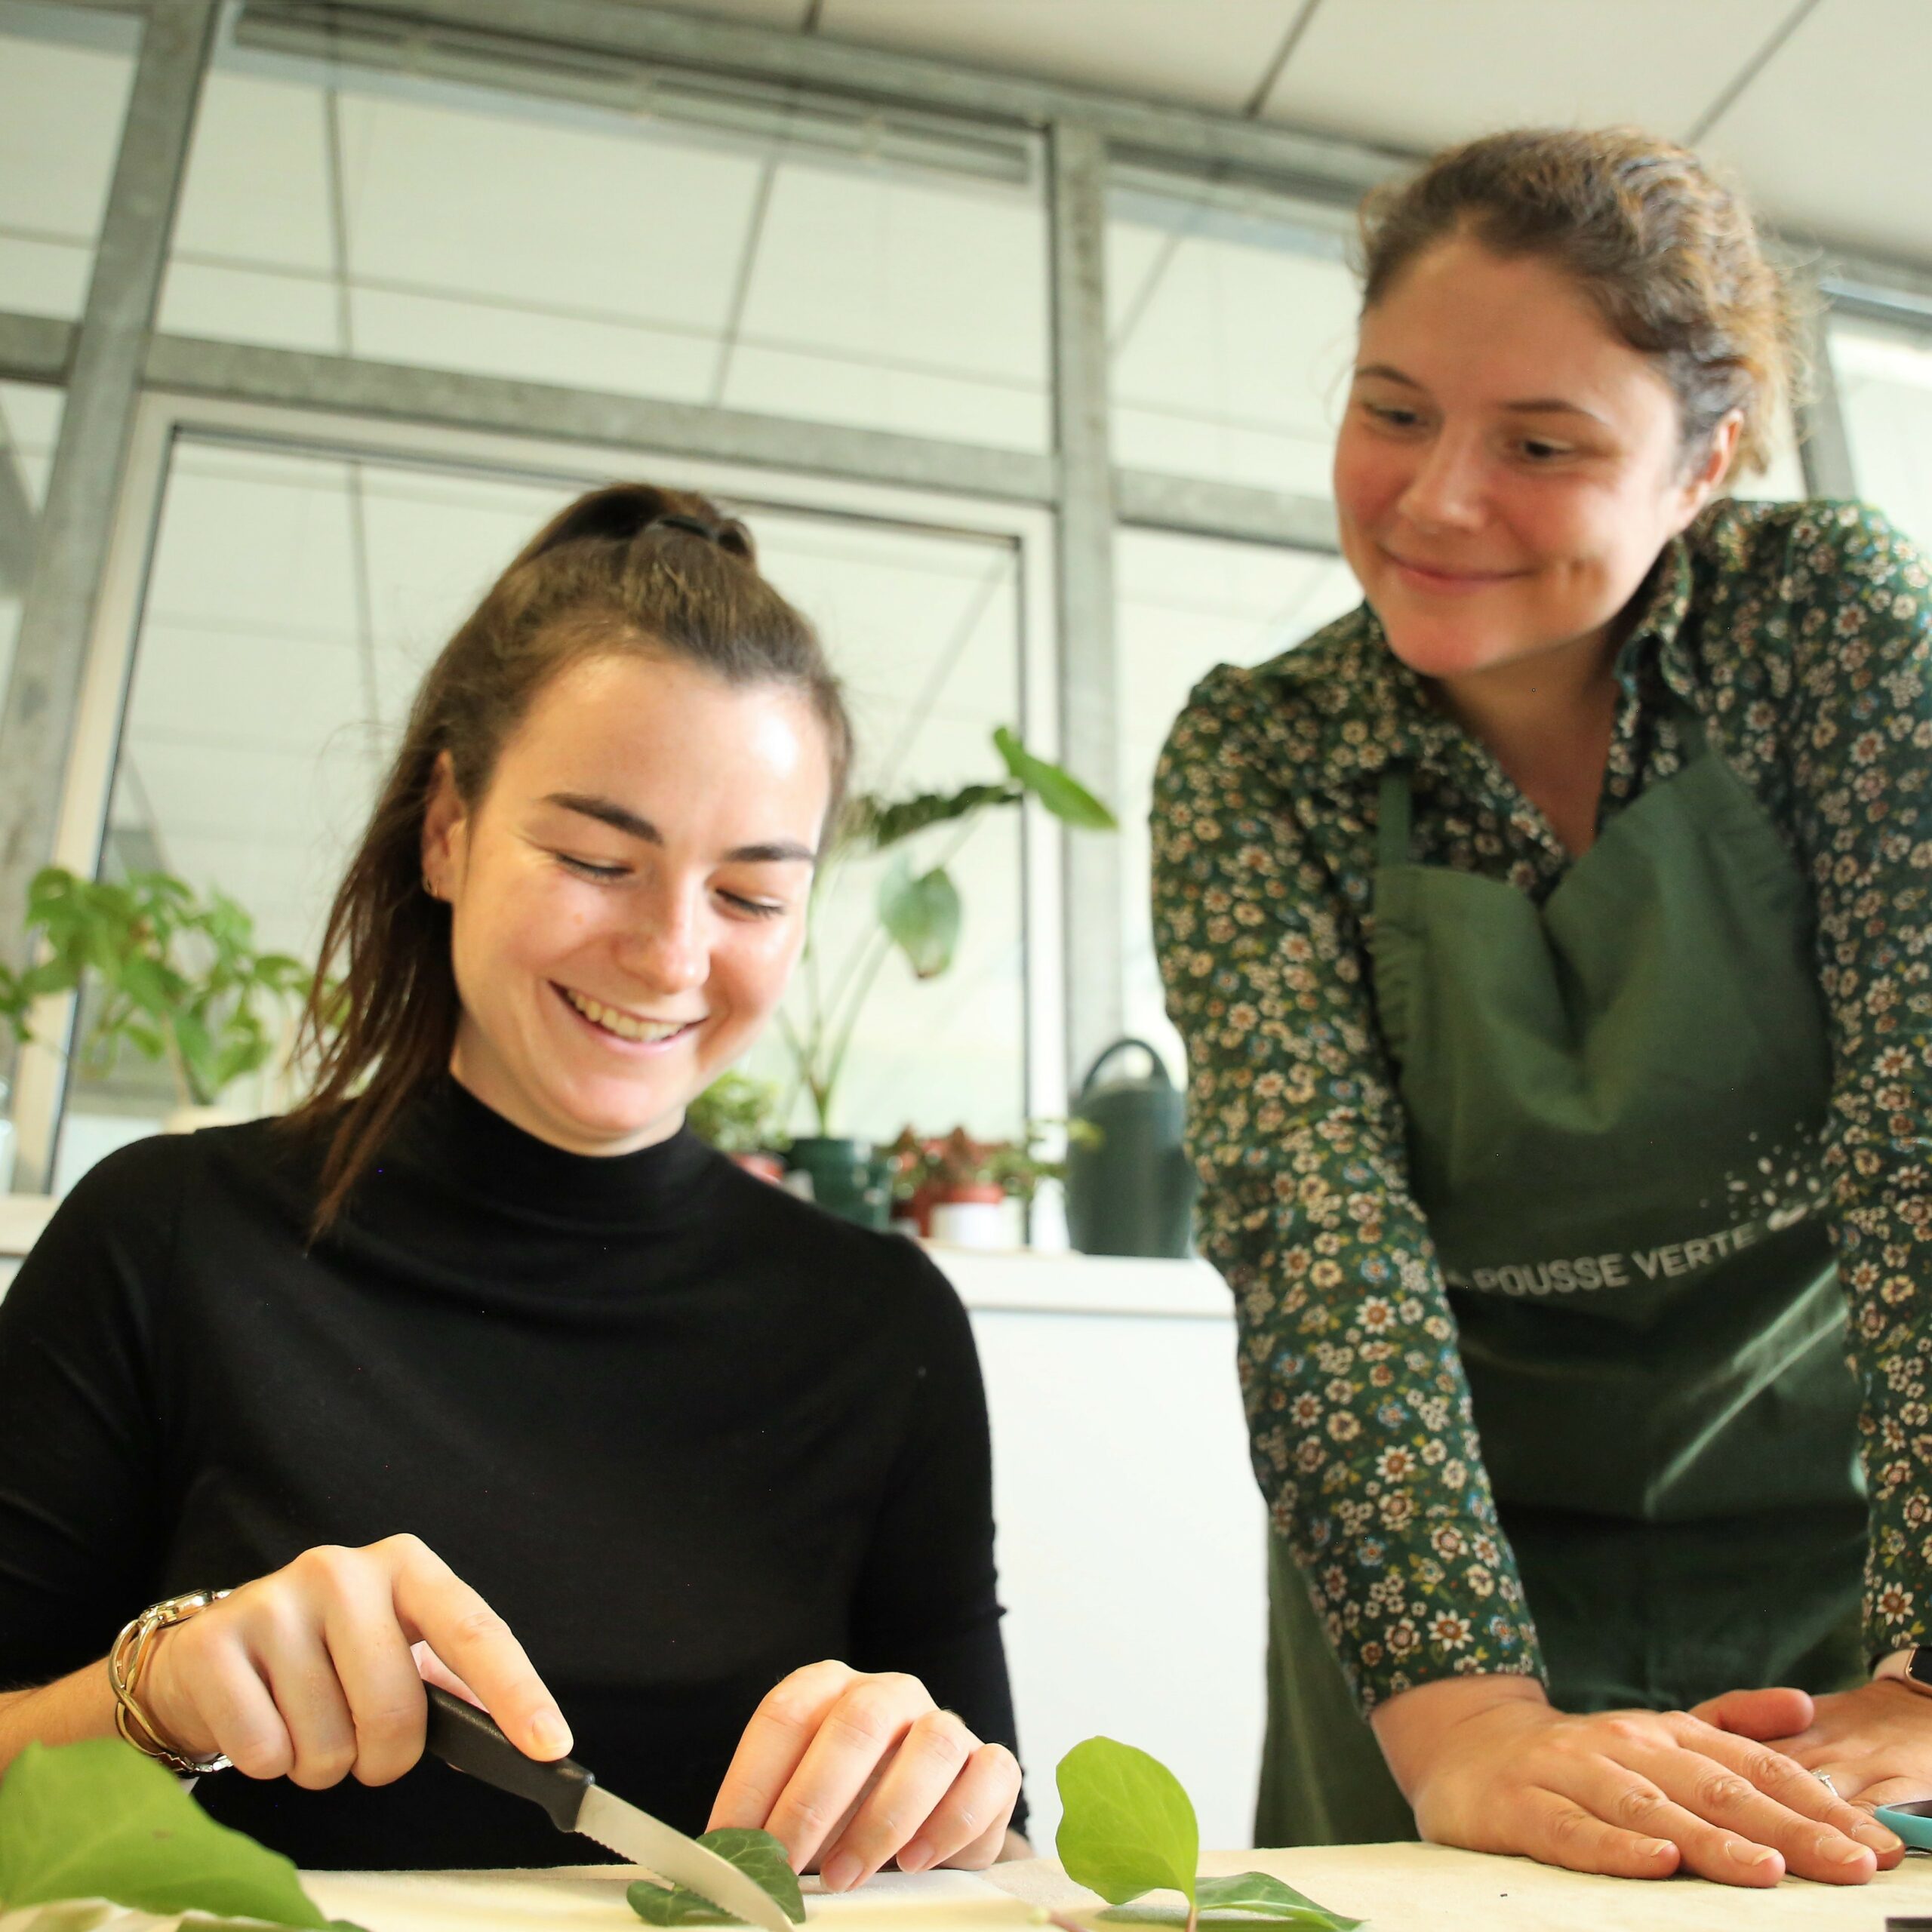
(1394, 1888)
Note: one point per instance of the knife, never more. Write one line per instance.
(468, 1740)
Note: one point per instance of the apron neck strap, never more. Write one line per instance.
(1690, 728)
(1391, 835)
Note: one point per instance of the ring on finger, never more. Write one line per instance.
(1825, 1779)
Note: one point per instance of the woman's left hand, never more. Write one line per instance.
(850, 1771)
(1875, 1742)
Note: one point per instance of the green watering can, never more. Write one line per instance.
(1133, 1193)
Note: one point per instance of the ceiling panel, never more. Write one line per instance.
(623, 227)
(257, 183)
(1467, 66)
(1209, 53)
(1835, 137)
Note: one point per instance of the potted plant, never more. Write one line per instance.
(956, 1172)
(919, 915)
(179, 980)
(738, 1116)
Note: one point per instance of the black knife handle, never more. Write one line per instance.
(469, 1740)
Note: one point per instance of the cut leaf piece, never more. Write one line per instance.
(1247, 1897)
(758, 1854)
(97, 1820)
(1127, 1826)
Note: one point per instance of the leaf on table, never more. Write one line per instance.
(97, 1820)
(1248, 1897)
(1127, 1826)
(758, 1854)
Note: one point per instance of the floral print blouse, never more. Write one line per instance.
(1801, 633)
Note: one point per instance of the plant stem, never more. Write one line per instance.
(881, 953)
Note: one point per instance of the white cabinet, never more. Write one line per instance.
(1132, 1548)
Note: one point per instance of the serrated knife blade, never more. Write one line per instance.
(646, 1841)
(470, 1740)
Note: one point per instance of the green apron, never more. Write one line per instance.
(1613, 1102)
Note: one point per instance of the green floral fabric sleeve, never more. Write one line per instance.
(1857, 625)
(1357, 1408)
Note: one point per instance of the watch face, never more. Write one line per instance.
(1918, 1666)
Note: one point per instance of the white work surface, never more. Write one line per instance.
(1393, 1887)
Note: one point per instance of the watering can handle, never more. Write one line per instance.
(1107, 1053)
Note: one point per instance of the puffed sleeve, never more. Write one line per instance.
(1358, 1410)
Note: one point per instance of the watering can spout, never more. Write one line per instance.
(1130, 1188)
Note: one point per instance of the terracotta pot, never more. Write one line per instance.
(766, 1166)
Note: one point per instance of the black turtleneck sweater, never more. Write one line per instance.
(684, 1432)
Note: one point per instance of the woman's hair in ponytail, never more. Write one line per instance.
(628, 569)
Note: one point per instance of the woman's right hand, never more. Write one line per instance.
(1489, 1766)
(316, 1671)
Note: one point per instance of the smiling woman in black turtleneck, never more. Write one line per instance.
(480, 1368)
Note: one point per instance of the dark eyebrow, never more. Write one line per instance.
(606, 812)
(1538, 405)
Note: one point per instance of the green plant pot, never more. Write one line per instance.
(848, 1178)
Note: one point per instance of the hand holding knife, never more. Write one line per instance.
(468, 1740)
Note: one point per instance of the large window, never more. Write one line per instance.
(758, 252)
(1884, 384)
(1231, 323)
(64, 78)
(1187, 604)
(297, 595)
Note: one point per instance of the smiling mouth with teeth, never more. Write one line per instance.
(622, 1024)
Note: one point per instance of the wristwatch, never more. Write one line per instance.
(1912, 1666)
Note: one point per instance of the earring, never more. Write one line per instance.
(428, 887)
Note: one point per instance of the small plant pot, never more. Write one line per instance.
(847, 1177)
(972, 1216)
(766, 1166)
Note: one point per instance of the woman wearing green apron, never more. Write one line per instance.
(1552, 939)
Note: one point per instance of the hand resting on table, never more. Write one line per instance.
(1875, 1742)
(1489, 1765)
(316, 1671)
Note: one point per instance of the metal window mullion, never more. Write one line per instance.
(1089, 668)
(76, 524)
(1824, 442)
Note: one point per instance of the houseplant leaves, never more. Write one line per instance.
(1128, 1827)
(758, 1854)
(1059, 791)
(97, 1819)
(922, 913)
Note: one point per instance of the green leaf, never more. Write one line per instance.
(922, 914)
(198, 1055)
(1060, 791)
(1245, 1898)
(758, 1854)
(97, 1819)
(878, 823)
(1127, 1826)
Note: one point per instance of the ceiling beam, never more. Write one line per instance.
(652, 36)
(450, 399)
